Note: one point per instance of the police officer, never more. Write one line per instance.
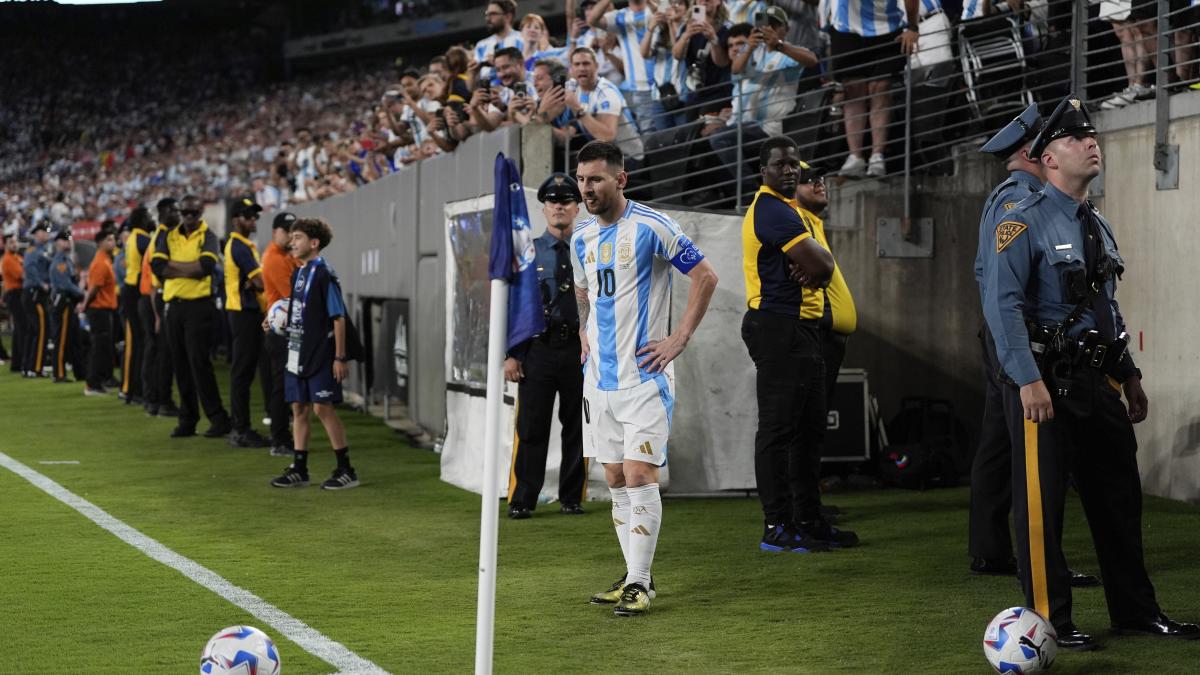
(548, 365)
(185, 258)
(1048, 298)
(35, 292)
(65, 295)
(990, 545)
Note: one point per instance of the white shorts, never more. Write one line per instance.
(628, 423)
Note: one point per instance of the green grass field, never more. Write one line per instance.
(389, 569)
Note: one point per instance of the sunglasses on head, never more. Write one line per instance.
(190, 212)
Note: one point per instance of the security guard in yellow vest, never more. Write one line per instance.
(185, 260)
(244, 305)
(141, 224)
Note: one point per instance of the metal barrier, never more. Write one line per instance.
(1000, 64)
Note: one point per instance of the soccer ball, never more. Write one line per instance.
(240, 650)
(1019, 641)
(277, 317)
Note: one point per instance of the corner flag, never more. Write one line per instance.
(512, 254)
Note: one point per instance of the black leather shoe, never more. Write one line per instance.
(572, 510)
(1081, 580)
(168, 409)
(218, 430)
(519, 512)
(1159, 626)
(183, 432)
(1071, 639)
(994, 566)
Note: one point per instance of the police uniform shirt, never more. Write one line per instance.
(62, 276)
(241, 265)
(1004, 198)
(771, 228)
(37, 266)
(841, 316)
(178, 247)
(1039, 247)
(553, 260)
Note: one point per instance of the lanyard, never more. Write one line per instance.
(311, 268)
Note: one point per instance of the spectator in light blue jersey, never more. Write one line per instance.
(670, 75)
(630, 25)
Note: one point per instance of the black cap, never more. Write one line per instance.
(42, 226)
(1016, 133)
(810, 171)
(559, 187)
(1070, 118)
(63, 235)
(246, 207)
(283, 220)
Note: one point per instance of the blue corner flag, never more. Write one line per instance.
(512, 255)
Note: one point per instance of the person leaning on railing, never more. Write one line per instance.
(598, 109)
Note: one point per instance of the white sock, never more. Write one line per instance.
(644, 520)
(620, 516)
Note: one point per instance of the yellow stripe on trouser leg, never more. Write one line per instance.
(1037, 535)
(128, 357)
(60, 369)
(41, 339)
(512, 465)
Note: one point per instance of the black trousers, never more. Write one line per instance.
(549, 371)
(135, 343)
(37, 322)
(100, 354)
(1091, 440)
(790, 386)
(20, 322)
(991, 470)
(156, 369)
(189, 334)
(68, 342)
(271, 375)
(246, 328)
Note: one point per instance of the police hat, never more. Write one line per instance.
(63, 235)
(1016, 133)
(557, 188)
(283, 220)
(246, 207)
(1070, 118)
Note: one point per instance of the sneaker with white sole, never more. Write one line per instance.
(292, 477)
(1120, 99)
(854, 166)
(876, 167)
(341, 479)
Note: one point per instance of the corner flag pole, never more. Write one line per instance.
(489, 521)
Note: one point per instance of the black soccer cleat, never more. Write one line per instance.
(292, 477)
(341, 479)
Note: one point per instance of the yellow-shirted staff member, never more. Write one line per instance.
(245, 305)
(157, 371)
(185, 259)
(141, 224)
(782, 332)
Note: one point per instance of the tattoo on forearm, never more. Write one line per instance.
(583, 305)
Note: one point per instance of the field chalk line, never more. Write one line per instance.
(307, 638)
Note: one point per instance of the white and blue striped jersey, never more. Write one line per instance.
(606, 99)
(626, 270)
(972, 9)
(487, 46)
(928, 7)
(669, 70)
(767, 90)
(630, 27)
(868, 18)
(743, 11)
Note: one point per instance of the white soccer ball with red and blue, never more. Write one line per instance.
(240, 650)
(277, 316)
(1019, 641)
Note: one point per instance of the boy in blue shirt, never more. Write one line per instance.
(316, 359)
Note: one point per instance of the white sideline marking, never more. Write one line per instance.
(307, 638)
(59, 461)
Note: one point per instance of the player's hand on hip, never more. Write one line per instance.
(340, 371)
(512, 370)
(1035, 399)
(1139, 405)
(585, 349)
(661, 352)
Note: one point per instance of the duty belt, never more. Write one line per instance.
(559, 334)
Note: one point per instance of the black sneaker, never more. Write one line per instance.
(821, 530)
(151, 409)
(168, 409)
(183, 432)
(291, 478)
(248, 439)
(572, 509)
(341, 479)
(282, 450)
(517, 512)
(787, 538)
(218, 429)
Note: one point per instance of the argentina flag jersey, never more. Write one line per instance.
(626, 270)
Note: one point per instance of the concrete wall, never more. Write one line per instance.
(1158, 232)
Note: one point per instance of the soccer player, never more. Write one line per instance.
(316, 360)
(622, 265)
